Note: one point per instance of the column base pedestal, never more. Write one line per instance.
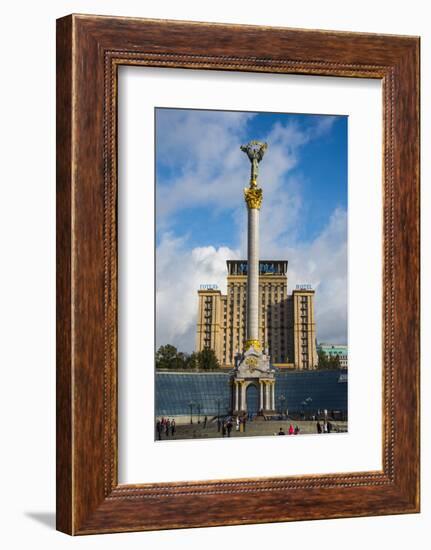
(253, 368)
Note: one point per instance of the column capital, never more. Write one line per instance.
(253, 197)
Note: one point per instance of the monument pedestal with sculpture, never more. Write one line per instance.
(253, 368)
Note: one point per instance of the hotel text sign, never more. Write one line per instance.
(208, 287)
(263, 268)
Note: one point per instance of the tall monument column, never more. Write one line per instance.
(253, 197)
(253, 367)
(252, 332)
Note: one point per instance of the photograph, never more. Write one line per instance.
(251, 274)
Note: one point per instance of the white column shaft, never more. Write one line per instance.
(236, 396)
(253, 275)
(243, 398)
(261, 396)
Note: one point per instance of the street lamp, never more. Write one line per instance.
(218, 414)
(306, 402)
(282, 399)
(191, 404)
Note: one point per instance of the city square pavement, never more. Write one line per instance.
(255, 428)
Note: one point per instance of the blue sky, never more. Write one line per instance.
(201, 215)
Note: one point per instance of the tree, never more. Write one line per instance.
(166, 357)
(207, 359)
(180, 361)
(322, 360)
(192, 361)
(334, 361)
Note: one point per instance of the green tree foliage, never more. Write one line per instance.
(322, 362)
(334, 361)
(326, 361)
(207, 359)
(192, 361)
(168, 357)
(180, 361)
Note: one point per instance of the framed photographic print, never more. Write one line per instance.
(236, 354)
(237, 274)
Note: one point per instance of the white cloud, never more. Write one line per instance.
(323, 264)
(180, 271)
(201, 149)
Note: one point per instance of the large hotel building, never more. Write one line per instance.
(287, 327)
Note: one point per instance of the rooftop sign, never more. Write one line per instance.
(208, 287)
(266, 267)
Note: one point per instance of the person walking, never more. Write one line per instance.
(319, 427)
(229, 427)
(167, 424)
(291, 430)
(173, 427)
(205, 421)
(281, 432)
(237, 424)
(223, 429)
(296, 430)
(159, 429)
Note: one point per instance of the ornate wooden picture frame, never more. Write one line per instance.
(89, 51)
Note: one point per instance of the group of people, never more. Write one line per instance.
(324, 428)
(292, 430)
(228, 423)
(226, 426)
(165, 426)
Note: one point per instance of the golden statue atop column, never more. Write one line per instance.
(253, 195)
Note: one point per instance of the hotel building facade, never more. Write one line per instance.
(287, 327)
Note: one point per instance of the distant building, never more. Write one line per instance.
(332, 350)
(286, 321)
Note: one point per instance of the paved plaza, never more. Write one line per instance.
(255, 428)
